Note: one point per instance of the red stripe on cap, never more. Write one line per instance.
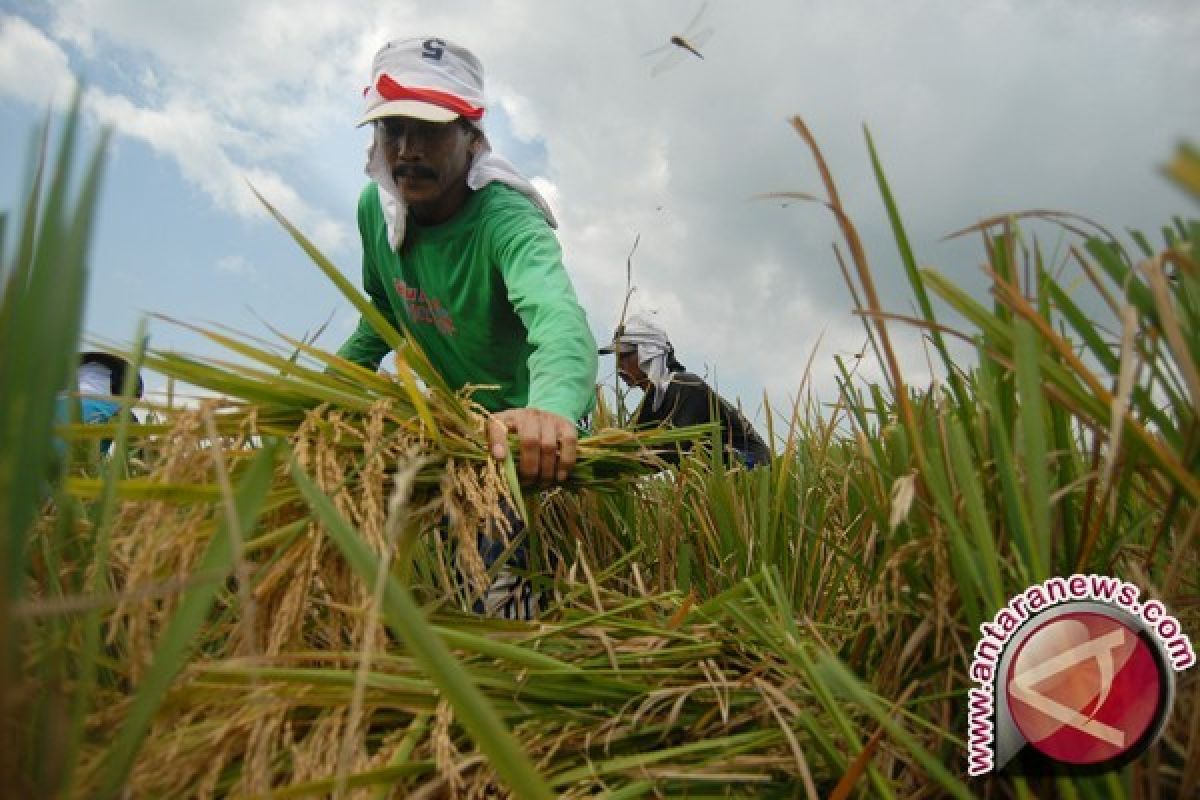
(390, 90)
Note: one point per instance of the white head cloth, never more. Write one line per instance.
(94, 379)
(653, 349)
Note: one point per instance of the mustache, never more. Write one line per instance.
(413, 171)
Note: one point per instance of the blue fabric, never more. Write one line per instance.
(511, 594)
(518, 600)
(92, 411)
(491, 549)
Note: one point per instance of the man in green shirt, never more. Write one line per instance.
(459, 248)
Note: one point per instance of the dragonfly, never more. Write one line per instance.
(678, 47)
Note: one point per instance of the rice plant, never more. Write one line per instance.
(266, 595)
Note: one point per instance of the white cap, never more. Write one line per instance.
(425, 78)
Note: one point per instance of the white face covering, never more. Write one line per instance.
(94, 379)
(653, 349)
(485, 168)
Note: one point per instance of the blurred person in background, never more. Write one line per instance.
(100, 380)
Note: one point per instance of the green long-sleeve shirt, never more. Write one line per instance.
(486, 296)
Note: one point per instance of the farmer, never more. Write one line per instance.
(677, 398)
(459, 248)
(100, 378)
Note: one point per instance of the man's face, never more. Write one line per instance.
(429, 162)
(629, 369)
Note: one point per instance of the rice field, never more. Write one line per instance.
(257, 596)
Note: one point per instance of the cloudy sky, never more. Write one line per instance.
(976, 108)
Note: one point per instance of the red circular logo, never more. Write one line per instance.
(1084, 688)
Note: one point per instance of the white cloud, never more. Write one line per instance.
(32, 67)
(201, 145)
(236, 265)
(527, 124)
(197, 122)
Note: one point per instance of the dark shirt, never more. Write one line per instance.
(688, 400)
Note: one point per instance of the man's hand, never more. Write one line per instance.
(546, 449)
